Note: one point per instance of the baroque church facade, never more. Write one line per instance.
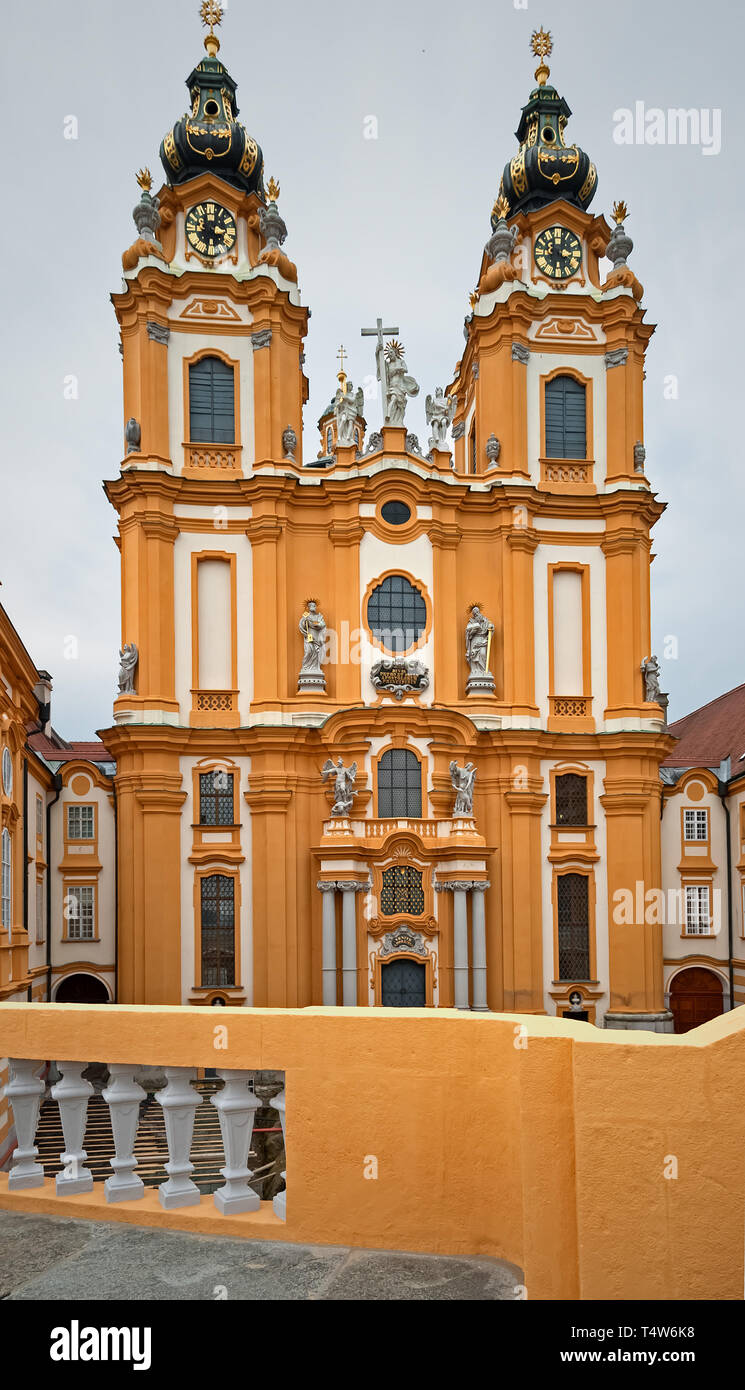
(388, 729)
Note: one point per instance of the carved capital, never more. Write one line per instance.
(520, 353)
(618, 357)
(158, 332)
(261, 339)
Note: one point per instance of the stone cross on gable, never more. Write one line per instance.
(378, 333)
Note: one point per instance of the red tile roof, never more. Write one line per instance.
(714, 732)
(92, 751)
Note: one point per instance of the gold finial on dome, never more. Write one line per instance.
(473, 298)
(272, 191)
(341, 375)
(620, 212)
(501, 208)
(542, 45)
(211, 14)
(144, 179)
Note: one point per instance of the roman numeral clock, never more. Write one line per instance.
(210, 231)
(558, 253)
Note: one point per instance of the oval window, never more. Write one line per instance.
(395, 513)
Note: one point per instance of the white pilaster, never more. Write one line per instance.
(478, 929)
(460, 945)
(328, 891)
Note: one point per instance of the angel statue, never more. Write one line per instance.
(128, 657)
(439, 410)
(399, 385)
(478, 641)
(348, 406)
(312, 627)
(650, 669)
(344, 780)
(462, 779)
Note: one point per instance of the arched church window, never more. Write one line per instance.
(572, 891)
(571, 799)
(211, 401)
(399, 784)
(566, 418)
(472, 448)
(329, 440)
(218, 930)
(5, 895)
(396, 613)
(216, 798)
(402, 891)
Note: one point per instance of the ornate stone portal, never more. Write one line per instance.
(312, 627)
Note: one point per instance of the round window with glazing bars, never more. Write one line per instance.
(396, 613)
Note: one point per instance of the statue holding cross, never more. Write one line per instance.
(395, 382)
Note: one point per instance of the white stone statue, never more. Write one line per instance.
(344, 780)
(650, 669)
(478, 631)
(439, 410)
(128, 657)
(399, 384)
(348, 406)
(312, 627)
(463, 779)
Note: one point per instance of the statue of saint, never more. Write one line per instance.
(348, 406)
(344, 780)
(312, 627)
(128, 658)
(650, 669)
(462, 779)
(478, 632)
(439, 411)
(399, 384)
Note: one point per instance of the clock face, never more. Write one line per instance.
(210, 230)
(558, 253)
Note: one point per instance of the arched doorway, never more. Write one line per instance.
(696, 995)
(403, 984)
(81, 989)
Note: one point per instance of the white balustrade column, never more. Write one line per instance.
(179, 1101)
(279, 1203)
(460, 945)
(123, 1097)
(71, 1094)
(236, 1106)
(328, 891)
(24, 1090)
(349, 941)
(478, 931)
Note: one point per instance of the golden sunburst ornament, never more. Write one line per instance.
(620, 211)
(272, 191)
(542, 45)
(144, 179)
(501, 208)
(211, 15)
(394, 349)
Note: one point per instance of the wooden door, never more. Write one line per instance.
(695, 997)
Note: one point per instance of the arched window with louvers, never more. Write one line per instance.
(566, 418)
(211, 401)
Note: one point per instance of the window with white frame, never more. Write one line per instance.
(80, 823)
(7, 880)
(40, 911)
(80, 912)
(39, 816)
(696, 824)
(698, 909)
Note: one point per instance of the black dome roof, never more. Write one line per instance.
(545, 168)
(210, 138)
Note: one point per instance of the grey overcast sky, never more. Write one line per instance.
(392, 226)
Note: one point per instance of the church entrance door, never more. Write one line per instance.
(403, 985)
(695, 997)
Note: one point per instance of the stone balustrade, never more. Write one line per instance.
(235, 1102)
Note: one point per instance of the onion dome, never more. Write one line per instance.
(545, 168)
(210, 139)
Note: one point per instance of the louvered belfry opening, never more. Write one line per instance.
(218, 930)
(571, 799)
(566, 418)
(574, 926)
(399, 784)
(211, 402)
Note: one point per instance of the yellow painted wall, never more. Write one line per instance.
(540, 1141)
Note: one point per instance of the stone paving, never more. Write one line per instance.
(50, 1258)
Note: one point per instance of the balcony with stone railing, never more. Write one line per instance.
(540, 1141)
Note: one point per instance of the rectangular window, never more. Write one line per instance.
(40, 911)
(218, 930)
(80, 823)
(698, 910)
(566, 418)
(571, 799)
(80, 912)
(696, 825)
(472, 447)
(39, 816)
(572, 892)
(216, 798)
(6, 884)
(211, 402)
